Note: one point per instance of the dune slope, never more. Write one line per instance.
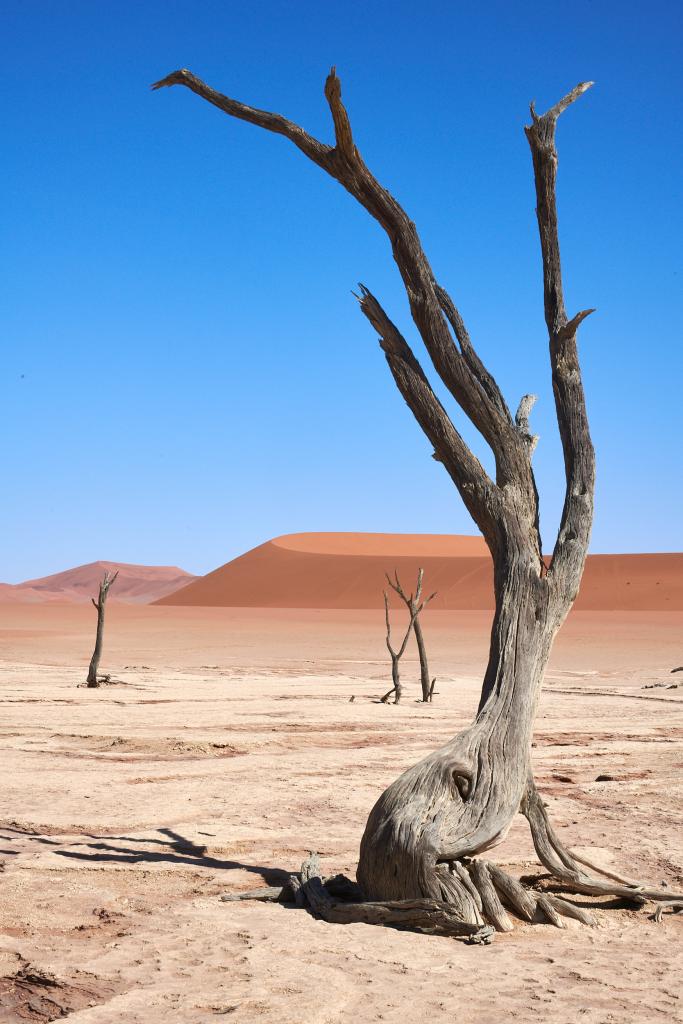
(346, 570)
(136, 584)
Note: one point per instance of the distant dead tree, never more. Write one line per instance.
(105, 584)
(414, 608)
(417, 863)
(411, 601)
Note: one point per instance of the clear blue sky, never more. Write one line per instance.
(185, 372)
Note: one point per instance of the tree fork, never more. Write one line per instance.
(459, 801)
(412, 603)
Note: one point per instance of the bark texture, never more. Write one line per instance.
(459, 801)
(99, 605)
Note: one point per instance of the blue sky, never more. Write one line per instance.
(185, 372)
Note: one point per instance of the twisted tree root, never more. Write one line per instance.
(420, 914)
(474, 892)
(565, 866)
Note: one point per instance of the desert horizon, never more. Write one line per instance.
(347, 570)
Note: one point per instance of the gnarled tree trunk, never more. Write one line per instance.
(459, 801)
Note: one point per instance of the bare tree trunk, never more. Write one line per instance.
(396, 688)
(459, 801)
(426, 683)
(99, 605)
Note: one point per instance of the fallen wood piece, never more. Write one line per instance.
(269, 894)
(674, 905)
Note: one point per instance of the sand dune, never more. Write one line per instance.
(346, 570)
(136, 584)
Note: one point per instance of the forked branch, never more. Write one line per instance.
(432, 310)
(574, 534)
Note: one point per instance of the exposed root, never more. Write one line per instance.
(565, 866)
(472, 905)
(492, 908)
(568, 909)
(468, 897)
(513, 893)
(548, 910)
(420, 915)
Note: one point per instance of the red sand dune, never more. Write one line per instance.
(346, 570)
(135, 584)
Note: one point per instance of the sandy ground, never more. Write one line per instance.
(230, 749)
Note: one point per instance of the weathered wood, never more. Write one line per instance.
(568, 909)
(567, 869)
(546, 906)
(416, 915)
(107, 580)
(493, 909)
(513, 893)
(269, 894)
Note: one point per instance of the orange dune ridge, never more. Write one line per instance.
(346, 570)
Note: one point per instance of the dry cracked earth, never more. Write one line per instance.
(227, 747)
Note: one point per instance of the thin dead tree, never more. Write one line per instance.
(99, 604)
(415, 606)
(410, 602)
(416, 855)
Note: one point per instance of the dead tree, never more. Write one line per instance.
(100, 604)
(459, 802)
(410, 602)
(415, 606)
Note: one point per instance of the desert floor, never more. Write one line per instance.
(229, 748)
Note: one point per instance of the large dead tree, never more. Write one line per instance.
(99, 605)
(411, 602)
(458, 802)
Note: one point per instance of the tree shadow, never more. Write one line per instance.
(176, 849)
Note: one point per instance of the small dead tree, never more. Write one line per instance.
(414, 608)
(100, 604)
(416, 854)
(410, 602)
